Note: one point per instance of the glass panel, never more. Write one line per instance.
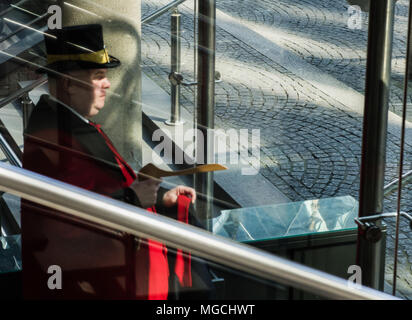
(237, 285)
(294, 73)
(399, 55)
(61, 251)
(211, 280)
(290, 109)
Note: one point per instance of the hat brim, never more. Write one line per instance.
(64, 66)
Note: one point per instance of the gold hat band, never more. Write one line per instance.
(100, 57)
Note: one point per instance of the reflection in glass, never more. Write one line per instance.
(10, 254)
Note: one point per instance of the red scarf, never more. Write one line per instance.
(152, 274)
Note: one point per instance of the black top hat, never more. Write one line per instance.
(77, 47)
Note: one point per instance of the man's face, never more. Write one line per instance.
(88, 91)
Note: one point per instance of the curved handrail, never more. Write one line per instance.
(123, 217)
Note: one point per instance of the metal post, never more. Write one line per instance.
(175, 68)
(371, 256)
(206, 103)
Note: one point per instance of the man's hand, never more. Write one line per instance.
(146, 191)
(170, 197)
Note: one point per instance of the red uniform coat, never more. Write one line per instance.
(95, 262)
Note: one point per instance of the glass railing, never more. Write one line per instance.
(284, 113)
(295, 219)
(398, 195)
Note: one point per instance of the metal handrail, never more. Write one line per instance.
(162, 11)
(11, 8)
(7, 143)
(127, 218)
(19, 93)
(9, 152)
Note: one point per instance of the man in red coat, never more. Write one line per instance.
(61, 142)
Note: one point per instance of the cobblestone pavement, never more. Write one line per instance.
(310, 143)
